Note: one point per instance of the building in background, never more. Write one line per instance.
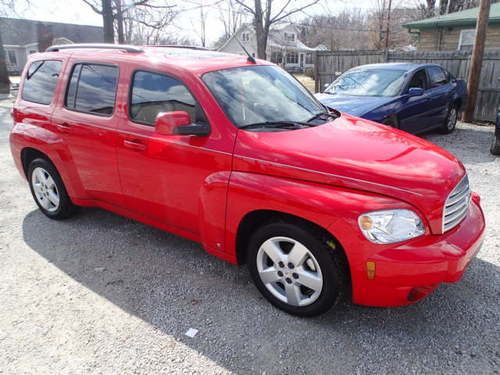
(454, 31)
(283, 47)
(23, 37)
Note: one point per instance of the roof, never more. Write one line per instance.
(195, 61)
(466, 17)
(16, 31)
(394, 66)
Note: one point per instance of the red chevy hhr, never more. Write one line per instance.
(237, 155)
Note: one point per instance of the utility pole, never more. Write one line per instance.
(388, 29)
(476, 60)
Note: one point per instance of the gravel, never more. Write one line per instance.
(100, 294)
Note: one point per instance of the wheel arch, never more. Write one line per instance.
(257, 218)
(28, 154)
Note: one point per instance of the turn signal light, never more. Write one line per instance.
(370, 270)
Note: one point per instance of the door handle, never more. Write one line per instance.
(134, 144)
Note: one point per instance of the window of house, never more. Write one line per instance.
(153, 93)
(289, 37)
(309, 58)
(277, 57)
(292, 58)
(40, 81)
(92, 89)
(466, 40)
(437, 76)
(245, 37)
(12, 57)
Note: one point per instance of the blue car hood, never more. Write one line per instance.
(353, 105)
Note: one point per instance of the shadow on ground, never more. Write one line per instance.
(173, 285)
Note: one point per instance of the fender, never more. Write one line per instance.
(334, 209)
(44, 139)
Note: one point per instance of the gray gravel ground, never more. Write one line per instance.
(100, 294)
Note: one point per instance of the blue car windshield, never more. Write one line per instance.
(370, 82)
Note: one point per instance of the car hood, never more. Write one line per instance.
(355, 153)
(354, 105)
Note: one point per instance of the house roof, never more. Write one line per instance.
(466, 17)
(276, 38)
(16, 31)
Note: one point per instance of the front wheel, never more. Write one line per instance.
(451, 120)
(294, 269)
(495, 146)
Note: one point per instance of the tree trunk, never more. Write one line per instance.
(4, 74)
(260, 31)
(107, 21)
(119, 21)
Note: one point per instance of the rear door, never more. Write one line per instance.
(87, 120)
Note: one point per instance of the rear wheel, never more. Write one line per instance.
(48, 190)
(293, 269)
(450, 121)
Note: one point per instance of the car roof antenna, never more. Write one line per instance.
(250, 57)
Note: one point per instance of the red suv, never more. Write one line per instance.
(237, 155)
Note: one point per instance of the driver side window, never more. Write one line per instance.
(153, 93)
(419, 80)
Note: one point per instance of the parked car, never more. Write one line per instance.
(411, 97)
(237, 155)
(495, 145)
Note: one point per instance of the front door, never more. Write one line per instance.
(301, 60)
(164, 176)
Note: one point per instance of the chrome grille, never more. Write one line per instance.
(456, 205)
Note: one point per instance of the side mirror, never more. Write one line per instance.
(415, 91)
(179, 123)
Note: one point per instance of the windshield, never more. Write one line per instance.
(371, 82)
(261, 94)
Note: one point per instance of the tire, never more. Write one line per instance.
(495, 146)
(299, 257)
(46, 185)
(451, 120)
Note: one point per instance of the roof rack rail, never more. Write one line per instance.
(123, 47)
(177, 46)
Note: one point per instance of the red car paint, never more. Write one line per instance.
(328, 175)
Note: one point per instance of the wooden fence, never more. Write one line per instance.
(329, 64)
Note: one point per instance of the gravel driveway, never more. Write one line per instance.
(100, 294)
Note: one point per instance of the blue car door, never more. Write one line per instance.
(415, 113)
(439, 95)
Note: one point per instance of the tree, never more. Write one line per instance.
(118, 12)
(264, 17)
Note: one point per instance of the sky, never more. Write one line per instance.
(76, 11)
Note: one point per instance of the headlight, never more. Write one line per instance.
(391, 226)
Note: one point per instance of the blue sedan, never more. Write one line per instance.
(412, 97)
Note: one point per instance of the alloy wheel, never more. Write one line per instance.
(45, 189)
(289, 271)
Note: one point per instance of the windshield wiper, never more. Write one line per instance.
(277, 125)
(321, 114)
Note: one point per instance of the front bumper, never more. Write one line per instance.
(409, 271)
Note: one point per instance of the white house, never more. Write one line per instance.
(283, 47)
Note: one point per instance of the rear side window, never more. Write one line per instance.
(92, 89)
(437, 76)
(153, 93)
(40, 81)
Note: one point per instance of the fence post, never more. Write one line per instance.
(315, 72)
